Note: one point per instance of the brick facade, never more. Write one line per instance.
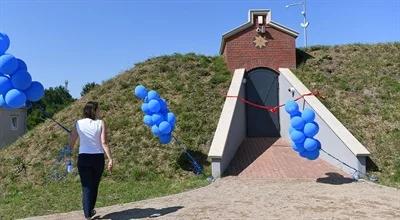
(239, 51)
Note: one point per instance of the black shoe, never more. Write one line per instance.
(92, 213)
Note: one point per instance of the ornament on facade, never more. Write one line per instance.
(260, 41)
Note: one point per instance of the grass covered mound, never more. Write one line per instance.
(193, 86)
(361, 84)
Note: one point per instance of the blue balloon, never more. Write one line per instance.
(165, 138)
(145, 108)
(171, 118)
(147, 119)
(155, 130)
(318, 144)
(157, 119)
(164, 116)
(35, 92)
(291, 129)
(297, 123)
(308, 115)
(311, 155)
(297, 136)
(299, 147)
(310, 144)
(4, 43)
(163, 105)
(5, 85)
(164, 111)
(146, 99)
(310, 129)
(153, 95)
(2, 102)
(8, 64)
(291, 107)
(15, 98)
(154, 106)
(165, 127)
(295, 114)
(140, 92)
(21, 80)
(21, 66)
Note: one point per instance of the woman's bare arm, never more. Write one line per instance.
(73, 136)
(106, 148)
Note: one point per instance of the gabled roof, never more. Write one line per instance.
(250, 23)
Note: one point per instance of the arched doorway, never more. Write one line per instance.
(262, 88)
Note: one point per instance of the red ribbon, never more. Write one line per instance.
(271, 108)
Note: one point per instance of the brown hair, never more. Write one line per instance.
(90, 109)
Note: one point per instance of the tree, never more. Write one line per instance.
(87, 87)
(54, 100)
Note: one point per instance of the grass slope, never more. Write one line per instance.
(361, 84)
(193, 86)
(362, 88)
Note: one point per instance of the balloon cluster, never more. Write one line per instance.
(16, 85)
(302, 131)
(157, 115)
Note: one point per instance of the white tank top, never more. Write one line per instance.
(89, 136)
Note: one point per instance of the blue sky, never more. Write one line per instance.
(86, 41)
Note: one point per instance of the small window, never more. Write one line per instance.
(260, 19)
(14, 123)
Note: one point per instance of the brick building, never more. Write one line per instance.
(251, 141)
(260, 42)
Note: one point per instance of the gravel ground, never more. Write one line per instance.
(240, 198)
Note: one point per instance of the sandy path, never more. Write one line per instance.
(238, 198)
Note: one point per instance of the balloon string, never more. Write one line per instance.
(197, 168)
(47, 115)
(273, 109)
(344, 163)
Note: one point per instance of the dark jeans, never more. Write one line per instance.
(90, 167)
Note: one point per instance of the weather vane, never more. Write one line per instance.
(305, 23)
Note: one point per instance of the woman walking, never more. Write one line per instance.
(92, 134)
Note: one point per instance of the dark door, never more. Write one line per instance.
(262, 88)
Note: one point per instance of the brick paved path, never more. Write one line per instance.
(274, 158)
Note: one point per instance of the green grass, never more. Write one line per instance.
(193, 85)
(362, 88)
(28, 200)
(361, 83)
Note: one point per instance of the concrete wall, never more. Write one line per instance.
(334, 137)
(231, 129)
(8, 133)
